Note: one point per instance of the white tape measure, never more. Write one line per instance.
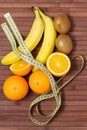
(28, 57)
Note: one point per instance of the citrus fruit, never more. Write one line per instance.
(15, 87)
(20, 68)
(39, 82)
(58, 64)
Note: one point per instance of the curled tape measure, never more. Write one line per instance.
(28, 57)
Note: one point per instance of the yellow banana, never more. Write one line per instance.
(31, 40)
(48, 41)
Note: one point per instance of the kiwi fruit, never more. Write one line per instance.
(64, 43)
(62, 23)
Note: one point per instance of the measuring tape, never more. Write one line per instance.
(28, 57)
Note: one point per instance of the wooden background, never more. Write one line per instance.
(73, 112)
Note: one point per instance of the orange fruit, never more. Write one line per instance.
(20, 68)
(39, 82)
(58, 64)
(15, 87)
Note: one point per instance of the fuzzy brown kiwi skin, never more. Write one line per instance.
(62, 23)
(64, 43)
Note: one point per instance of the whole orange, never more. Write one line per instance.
(39, 82)
(15, 88)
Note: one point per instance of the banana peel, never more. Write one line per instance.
(31, 40)
(49, 38)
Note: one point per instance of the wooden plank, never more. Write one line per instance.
(73, 112)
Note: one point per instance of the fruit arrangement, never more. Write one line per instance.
(42, 69)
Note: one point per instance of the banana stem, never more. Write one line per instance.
(41, 13)
(36, 10)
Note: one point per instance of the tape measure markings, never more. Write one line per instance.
(28, 57)
(34, 63)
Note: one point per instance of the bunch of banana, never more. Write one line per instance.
(48, 41)
(42, 23)
(31, 40)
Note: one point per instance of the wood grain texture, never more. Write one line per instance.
(73, 112)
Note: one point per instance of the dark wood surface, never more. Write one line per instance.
(73, 112)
